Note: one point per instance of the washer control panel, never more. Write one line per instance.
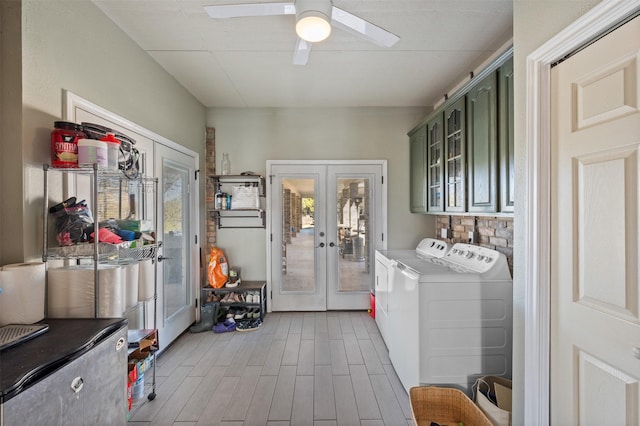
(430, 247)
(470, 258)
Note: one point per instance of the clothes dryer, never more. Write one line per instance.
(451, 324)
(429, 250)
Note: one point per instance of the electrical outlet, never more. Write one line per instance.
(443, 233)
(473, 237)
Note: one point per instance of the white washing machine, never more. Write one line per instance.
(451, 325)
(429, 251)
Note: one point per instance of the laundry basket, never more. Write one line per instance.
(444, 406)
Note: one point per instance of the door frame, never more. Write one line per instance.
(537, 198)
(71, 103)
(383, 203)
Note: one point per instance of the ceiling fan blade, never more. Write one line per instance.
(354, 24)
(301, 54)
(250, 9)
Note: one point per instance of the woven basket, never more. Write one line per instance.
(444, 406)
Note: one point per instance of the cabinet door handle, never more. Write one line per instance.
(120, 343)
(77, 384)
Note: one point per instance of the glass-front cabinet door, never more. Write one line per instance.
(454, 118)
(435, 168)
(417, 165)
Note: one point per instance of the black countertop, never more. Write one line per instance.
(24, 365)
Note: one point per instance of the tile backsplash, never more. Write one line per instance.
(495, 232)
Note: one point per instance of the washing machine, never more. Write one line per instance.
(429, 251)
(452, 324)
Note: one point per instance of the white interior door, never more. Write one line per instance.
(595, 318)
(326, 220)
(177, 225)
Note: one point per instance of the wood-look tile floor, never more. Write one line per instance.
(299, 368)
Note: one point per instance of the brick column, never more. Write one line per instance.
(210, 190)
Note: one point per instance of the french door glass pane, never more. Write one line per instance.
(353, 234)
(298, 235)
(175, 195)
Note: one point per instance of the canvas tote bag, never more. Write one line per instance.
(493, 396)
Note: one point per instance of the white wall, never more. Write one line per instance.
(535, 22)
(71, 45)
(253, 136)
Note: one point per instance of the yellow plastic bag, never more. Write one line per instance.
(218, 268)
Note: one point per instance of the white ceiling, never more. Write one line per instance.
(247, 62)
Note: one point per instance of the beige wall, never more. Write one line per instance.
(253, 136)
(534, 22)
(71, 45)
(10, 130)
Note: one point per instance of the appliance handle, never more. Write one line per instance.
(407, 272)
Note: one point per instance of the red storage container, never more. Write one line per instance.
(64, 144)
(372, 299)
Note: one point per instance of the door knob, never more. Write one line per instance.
(332, 245)
(161, 258)
(321, 245)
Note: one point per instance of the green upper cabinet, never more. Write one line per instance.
(505, 135)
(435, 165)
(418, 170)
(482, 146)
(454, 154)
(462, 153)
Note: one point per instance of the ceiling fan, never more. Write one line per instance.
(314, 20)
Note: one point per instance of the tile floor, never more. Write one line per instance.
(299, 368)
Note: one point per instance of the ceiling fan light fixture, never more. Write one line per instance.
(313, 26)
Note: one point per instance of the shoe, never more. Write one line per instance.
(208, 314)
(213, 298)
(248, 297)
(240, 314)
(236, 298)
(223, 327)
(227, 298)
(247, 325)
(253, 313)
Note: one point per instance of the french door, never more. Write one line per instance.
(326, 220)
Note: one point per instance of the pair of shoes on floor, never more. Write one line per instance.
(248, 325)
(222, 327)
(252, 297)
